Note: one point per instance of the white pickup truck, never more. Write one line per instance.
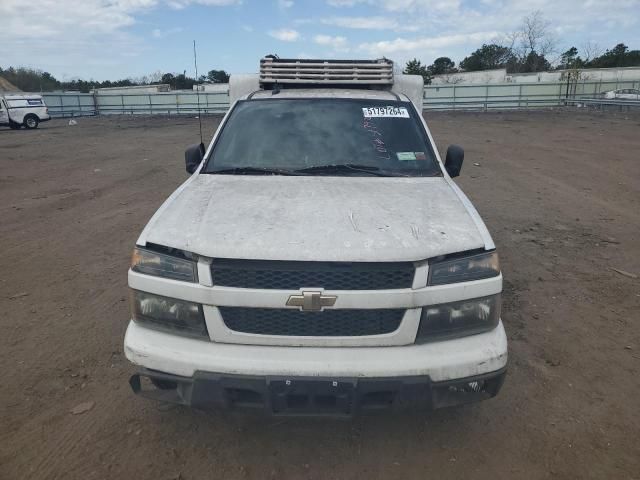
(27, 111)
(319, 259)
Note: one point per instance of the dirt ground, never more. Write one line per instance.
(560, 192)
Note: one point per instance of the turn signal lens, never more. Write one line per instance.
(162, 265)
(464, 269)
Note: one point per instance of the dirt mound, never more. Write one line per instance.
(7, 86)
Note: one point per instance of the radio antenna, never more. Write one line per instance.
(195, 63)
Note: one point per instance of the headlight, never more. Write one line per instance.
(464, 269)
(162, 265)
(458, 319)
(165, 313)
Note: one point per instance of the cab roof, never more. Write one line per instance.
(327, 93)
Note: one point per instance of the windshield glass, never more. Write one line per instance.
(300, 134)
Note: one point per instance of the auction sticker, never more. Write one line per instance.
(406, 156)
(385, 112)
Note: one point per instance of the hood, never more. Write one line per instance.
(307, 218)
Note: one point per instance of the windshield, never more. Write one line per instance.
(323, 137)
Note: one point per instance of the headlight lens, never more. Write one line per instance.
(464, 269)
(458, 319)
(162, 265)
(177, 316)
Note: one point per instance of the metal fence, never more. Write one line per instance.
(435, 97)
(515, 95)
(70, 104)
(170, 103)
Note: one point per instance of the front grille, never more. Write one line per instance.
(281, 275)
(295, 323)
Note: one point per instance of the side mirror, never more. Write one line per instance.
(453, 163)
(193, 155)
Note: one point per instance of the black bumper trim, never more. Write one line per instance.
(314, 395)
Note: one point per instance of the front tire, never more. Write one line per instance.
(31, 122)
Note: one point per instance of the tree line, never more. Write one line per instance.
(33, 80)
(531, 48)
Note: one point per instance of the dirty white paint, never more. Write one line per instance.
(315, 218)
(242, 85)
(446, 360)
(410, 85)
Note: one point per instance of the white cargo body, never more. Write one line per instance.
(27, 111)
(320, 259)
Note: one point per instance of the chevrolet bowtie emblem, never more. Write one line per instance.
(311, 301)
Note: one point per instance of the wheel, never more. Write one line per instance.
(15, 126)
(31, 121)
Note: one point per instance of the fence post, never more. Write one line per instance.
(520, 96)
(486, 96)
(150, 106)
(454, 96)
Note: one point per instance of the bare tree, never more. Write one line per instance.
(591, 50)
(155, 77)
(536, 35)
(532, 44)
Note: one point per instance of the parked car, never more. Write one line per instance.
(624, 94)
(320, 259)
(27, 111)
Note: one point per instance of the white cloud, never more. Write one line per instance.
(88, 38)
(285, 34)
(344, 3)
(180, 4)
(50, 17)
(400, 5)
(374, 23)
(336, 43)
(420, 5)
(285, 4)
(158, 33)
(247, 28)
(380, 22)
(424, 44)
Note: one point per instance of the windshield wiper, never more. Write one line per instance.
(253, 170)
(350, 167)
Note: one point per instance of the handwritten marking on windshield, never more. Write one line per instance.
(378, 143)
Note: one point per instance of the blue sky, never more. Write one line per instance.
(110, 39)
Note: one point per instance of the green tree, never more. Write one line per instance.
(618, 56)
(30, 80)
(487, 57)
(534, 62)
(570, 59)
(415, 67)
(218, 76)
(442, 66)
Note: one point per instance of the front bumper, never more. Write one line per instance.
(203, 373)
(313, 395)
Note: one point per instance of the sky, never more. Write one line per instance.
(113, 39)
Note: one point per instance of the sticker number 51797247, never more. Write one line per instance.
(388, 111)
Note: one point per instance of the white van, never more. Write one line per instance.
(23, 111)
